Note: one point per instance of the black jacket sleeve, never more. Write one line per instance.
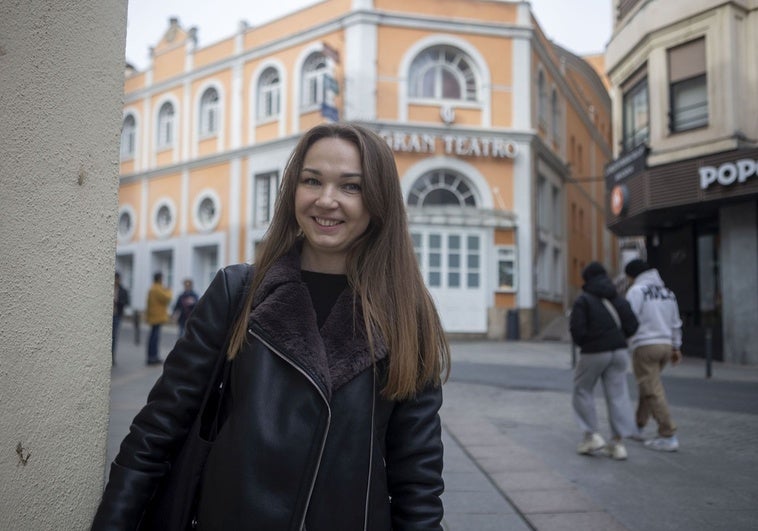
(414, 462)
(578, 320)
(159, 429)
(629, 322)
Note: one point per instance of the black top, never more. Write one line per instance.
(324, 288)
(592, 326)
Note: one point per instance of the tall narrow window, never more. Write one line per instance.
(636, 118)
(506, 268)
(688, 90)
(265, 195)
(269, 88)
(541, 100)
(128, 137)
(209, 112)
(165, 126)
(314, 71)
(555, 112)
(442, 73)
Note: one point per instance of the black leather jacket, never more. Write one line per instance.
(307, 443)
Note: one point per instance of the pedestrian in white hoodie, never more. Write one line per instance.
(658, 341)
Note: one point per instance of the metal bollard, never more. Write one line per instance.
(708, 351)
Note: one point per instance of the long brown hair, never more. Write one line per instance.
(381, 265)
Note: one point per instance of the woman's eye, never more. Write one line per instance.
(310, 181)
(352, 187)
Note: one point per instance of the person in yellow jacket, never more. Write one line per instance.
(158, 299)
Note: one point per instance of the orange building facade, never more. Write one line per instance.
(499, 137)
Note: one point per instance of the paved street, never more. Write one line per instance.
(510, 438)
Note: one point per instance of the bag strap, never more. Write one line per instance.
(222, 369)
(612, 310)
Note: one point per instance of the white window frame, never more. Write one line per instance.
(443, 179)
(128, 137)
(208, 124)
(507, 254)
(166, 126)
(635, 103)
(198, 217)
(163, 231)
(315, 68)
(436, 59)
(265, 188)
(269, 106)
(129, 212)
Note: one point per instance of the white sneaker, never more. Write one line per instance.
(616, 450)
(663, 444)
(591, 444)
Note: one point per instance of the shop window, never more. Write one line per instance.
(128, 137)
(506, 268)
(209, 104)
(636, 117)
(269, 95)
(443, 73)
(441, 188)
(314, 71)
(166, 120)
(688, 90)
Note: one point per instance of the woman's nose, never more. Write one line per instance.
(327, 196)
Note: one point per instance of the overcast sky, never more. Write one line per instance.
(581, 26)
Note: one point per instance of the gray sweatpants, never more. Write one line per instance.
(610, 367)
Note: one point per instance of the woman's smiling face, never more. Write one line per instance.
(329, 204)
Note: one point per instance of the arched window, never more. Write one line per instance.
(442, 73)
(555, 111)
(269, 90)
(208, 124)
(165, 126)
(541, 99)
(441, 188)
(314, 70)
(128, 137)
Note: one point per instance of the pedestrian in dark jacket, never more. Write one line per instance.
(601, 320)
(337, 362)
(184, 305)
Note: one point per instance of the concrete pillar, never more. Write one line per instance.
(739, 281)
(61, 92)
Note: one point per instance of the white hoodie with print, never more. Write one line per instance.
(657, 312)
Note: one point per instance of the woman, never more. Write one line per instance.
(601, 320)
(332, 412)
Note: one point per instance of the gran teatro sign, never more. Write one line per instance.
(459, 145)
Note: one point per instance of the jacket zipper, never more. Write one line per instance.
(328, 418)
(370, 452)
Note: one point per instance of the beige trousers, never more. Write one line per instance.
(648, 362)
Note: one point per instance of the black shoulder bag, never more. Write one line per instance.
(173, 507)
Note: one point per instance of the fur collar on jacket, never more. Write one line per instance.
(332, 356)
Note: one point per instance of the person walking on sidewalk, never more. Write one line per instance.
(600, 322)
(158, 299)
(657, 342)
(185, 303)
(120, 301)
(330, 419)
